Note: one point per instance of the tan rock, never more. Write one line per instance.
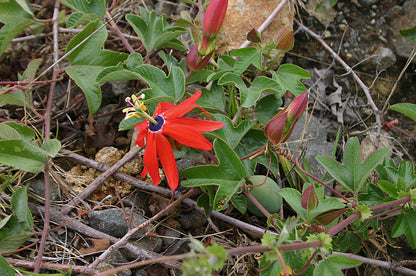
(244, 15)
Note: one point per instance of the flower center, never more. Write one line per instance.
(160, 121)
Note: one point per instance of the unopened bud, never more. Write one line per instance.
(286, 40)
(213, 18)
(195, 61)
(279, 128)
(309, 200)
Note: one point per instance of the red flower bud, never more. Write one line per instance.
(213, 18)
(195, 61)
(309, 200)
(286, 40)
(279, 128)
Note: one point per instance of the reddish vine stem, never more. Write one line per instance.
(119, 33)
(385, 213)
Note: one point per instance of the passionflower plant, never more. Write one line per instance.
(168, 124)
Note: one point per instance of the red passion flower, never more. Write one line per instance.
(186, 131)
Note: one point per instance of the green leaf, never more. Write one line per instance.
(406, 224)
(15, 19)
(288, 76)
(406, 109)
(253, 140)
(406, 172)
(30, 72)
(229, 175)
(325, 5)
(409, 34)
(8, 133)
(86, 11)
(352, 174)
(80, 18)
(239, 202)
(375, 194)
(247, 56)
(87, 6)
(88, 60)
(292, 197)
(155, 32)
(232, 135)
(293, 262)
(25, 132)
(365, 211)
(162, 88)
(333, 264)
(20, 208)
(20, 226)
(213, 99)
(130, 123)
(267, 107)
(122, 71)
(249, 96)
(5, 268)
(52, 147)
(22, 155)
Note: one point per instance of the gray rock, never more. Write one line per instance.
(38, 187)
(192, 220)
(314, 142)
(367, 3)
(114, 259)
(171, 233)
(113, 222)
(120, 88)
(149, 244)
(164, 7)
(385, 58)
(400, 18)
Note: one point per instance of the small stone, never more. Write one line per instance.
(164, 7)
(174, 234)
(373, 7)
(108, 156)
(368, 145)
(153, 244)
(113, 222)
(38, 187)
(373, 14)
(373, 21)
(120, 88)
(192, 220)
(385, 58)
(115, 258)
(367, 3)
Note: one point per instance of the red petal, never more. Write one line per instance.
(142, 128)
(162, 107)
(187, 136)
(197, 124)
(184, 107)
(150, 159)
(167, 159)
